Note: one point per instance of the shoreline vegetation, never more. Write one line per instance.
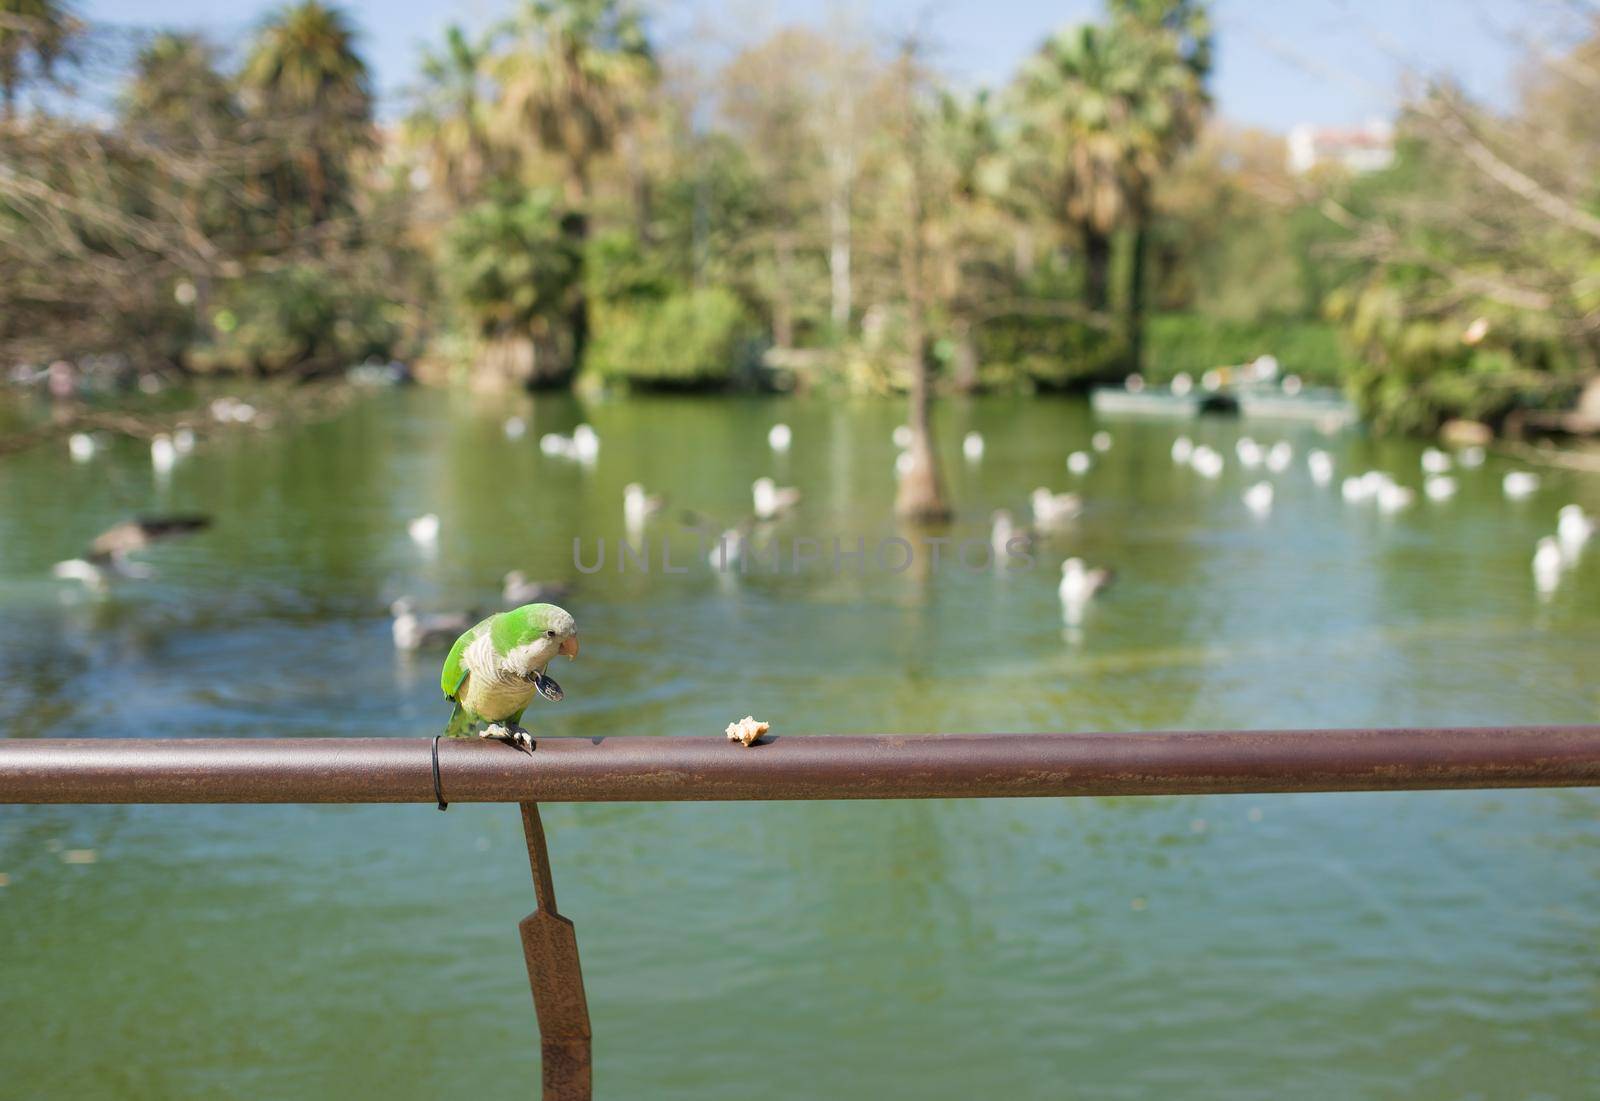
(560, 202)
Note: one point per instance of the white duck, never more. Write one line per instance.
(1519, 484)
(1435, 461)
(1053, 509)
(1439, 487)
(972, 446)
(1207, 462)
(1006, 539)
(1395, 498)
(1079, 462)
(1320, 463)
(81, 446)
(728, 551)
(585, 444)
(638, 506)
(163, 454)
(779, 437)
(424, 530)
(1573, 528)
(1182, 450)
(1547, 563)
(1079, 583)
(771, 499)
(1258, 498)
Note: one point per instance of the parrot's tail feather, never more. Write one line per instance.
(462, 723)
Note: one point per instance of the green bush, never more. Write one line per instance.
(1053, 353)
(1418, 369)
(1195, 343)
(511, 266)
(688, 339)
(298, 318)
(617, 267)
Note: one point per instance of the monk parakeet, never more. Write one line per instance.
(495, 669)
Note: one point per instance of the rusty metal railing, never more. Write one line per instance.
(625, 769)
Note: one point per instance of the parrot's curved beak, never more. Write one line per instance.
(569, 647)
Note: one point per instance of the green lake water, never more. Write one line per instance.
(1414, 945)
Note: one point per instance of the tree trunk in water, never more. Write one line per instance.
(920, 497)
(1097, 269)
(1136, 281)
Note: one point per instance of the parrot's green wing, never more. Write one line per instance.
(454, 671)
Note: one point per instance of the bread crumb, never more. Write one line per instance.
(79, 856)
(747, 731)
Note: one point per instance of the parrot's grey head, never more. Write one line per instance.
(536, 633)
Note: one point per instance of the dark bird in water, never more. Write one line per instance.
(414, 631)
(108, 555)
(518, 589)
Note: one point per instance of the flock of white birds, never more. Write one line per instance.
(1554, 555)
(167, 448)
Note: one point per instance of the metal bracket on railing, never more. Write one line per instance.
(550, 946)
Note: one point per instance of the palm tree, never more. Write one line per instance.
(449, 121)
(177, 91)
(304, 68)
(35, 36)
(569, 80)
(1106, 108)
(1174, 43)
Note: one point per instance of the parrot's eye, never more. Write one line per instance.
(549, 634)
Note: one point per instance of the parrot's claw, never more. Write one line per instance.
(511, 734)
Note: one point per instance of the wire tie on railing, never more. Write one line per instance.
(438, 791)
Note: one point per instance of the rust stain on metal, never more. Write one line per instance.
(550, 947)
(930, 766)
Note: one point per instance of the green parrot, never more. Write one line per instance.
(496, 668)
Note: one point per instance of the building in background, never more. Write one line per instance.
(1355, 148)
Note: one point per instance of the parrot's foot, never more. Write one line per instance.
(511, 734)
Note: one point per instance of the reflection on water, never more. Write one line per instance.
(1415, 945)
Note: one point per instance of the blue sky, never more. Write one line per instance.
(1278, 61)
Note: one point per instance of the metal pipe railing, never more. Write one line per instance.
(928, 766)
(623, 769)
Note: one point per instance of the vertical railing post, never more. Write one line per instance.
(550, 947)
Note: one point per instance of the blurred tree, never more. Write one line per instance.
(1104, 110)
(569, 77)
(915, 186)
(512, 266)
(304, 74)
(183, 110)
(449, 121)
(35, 37)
